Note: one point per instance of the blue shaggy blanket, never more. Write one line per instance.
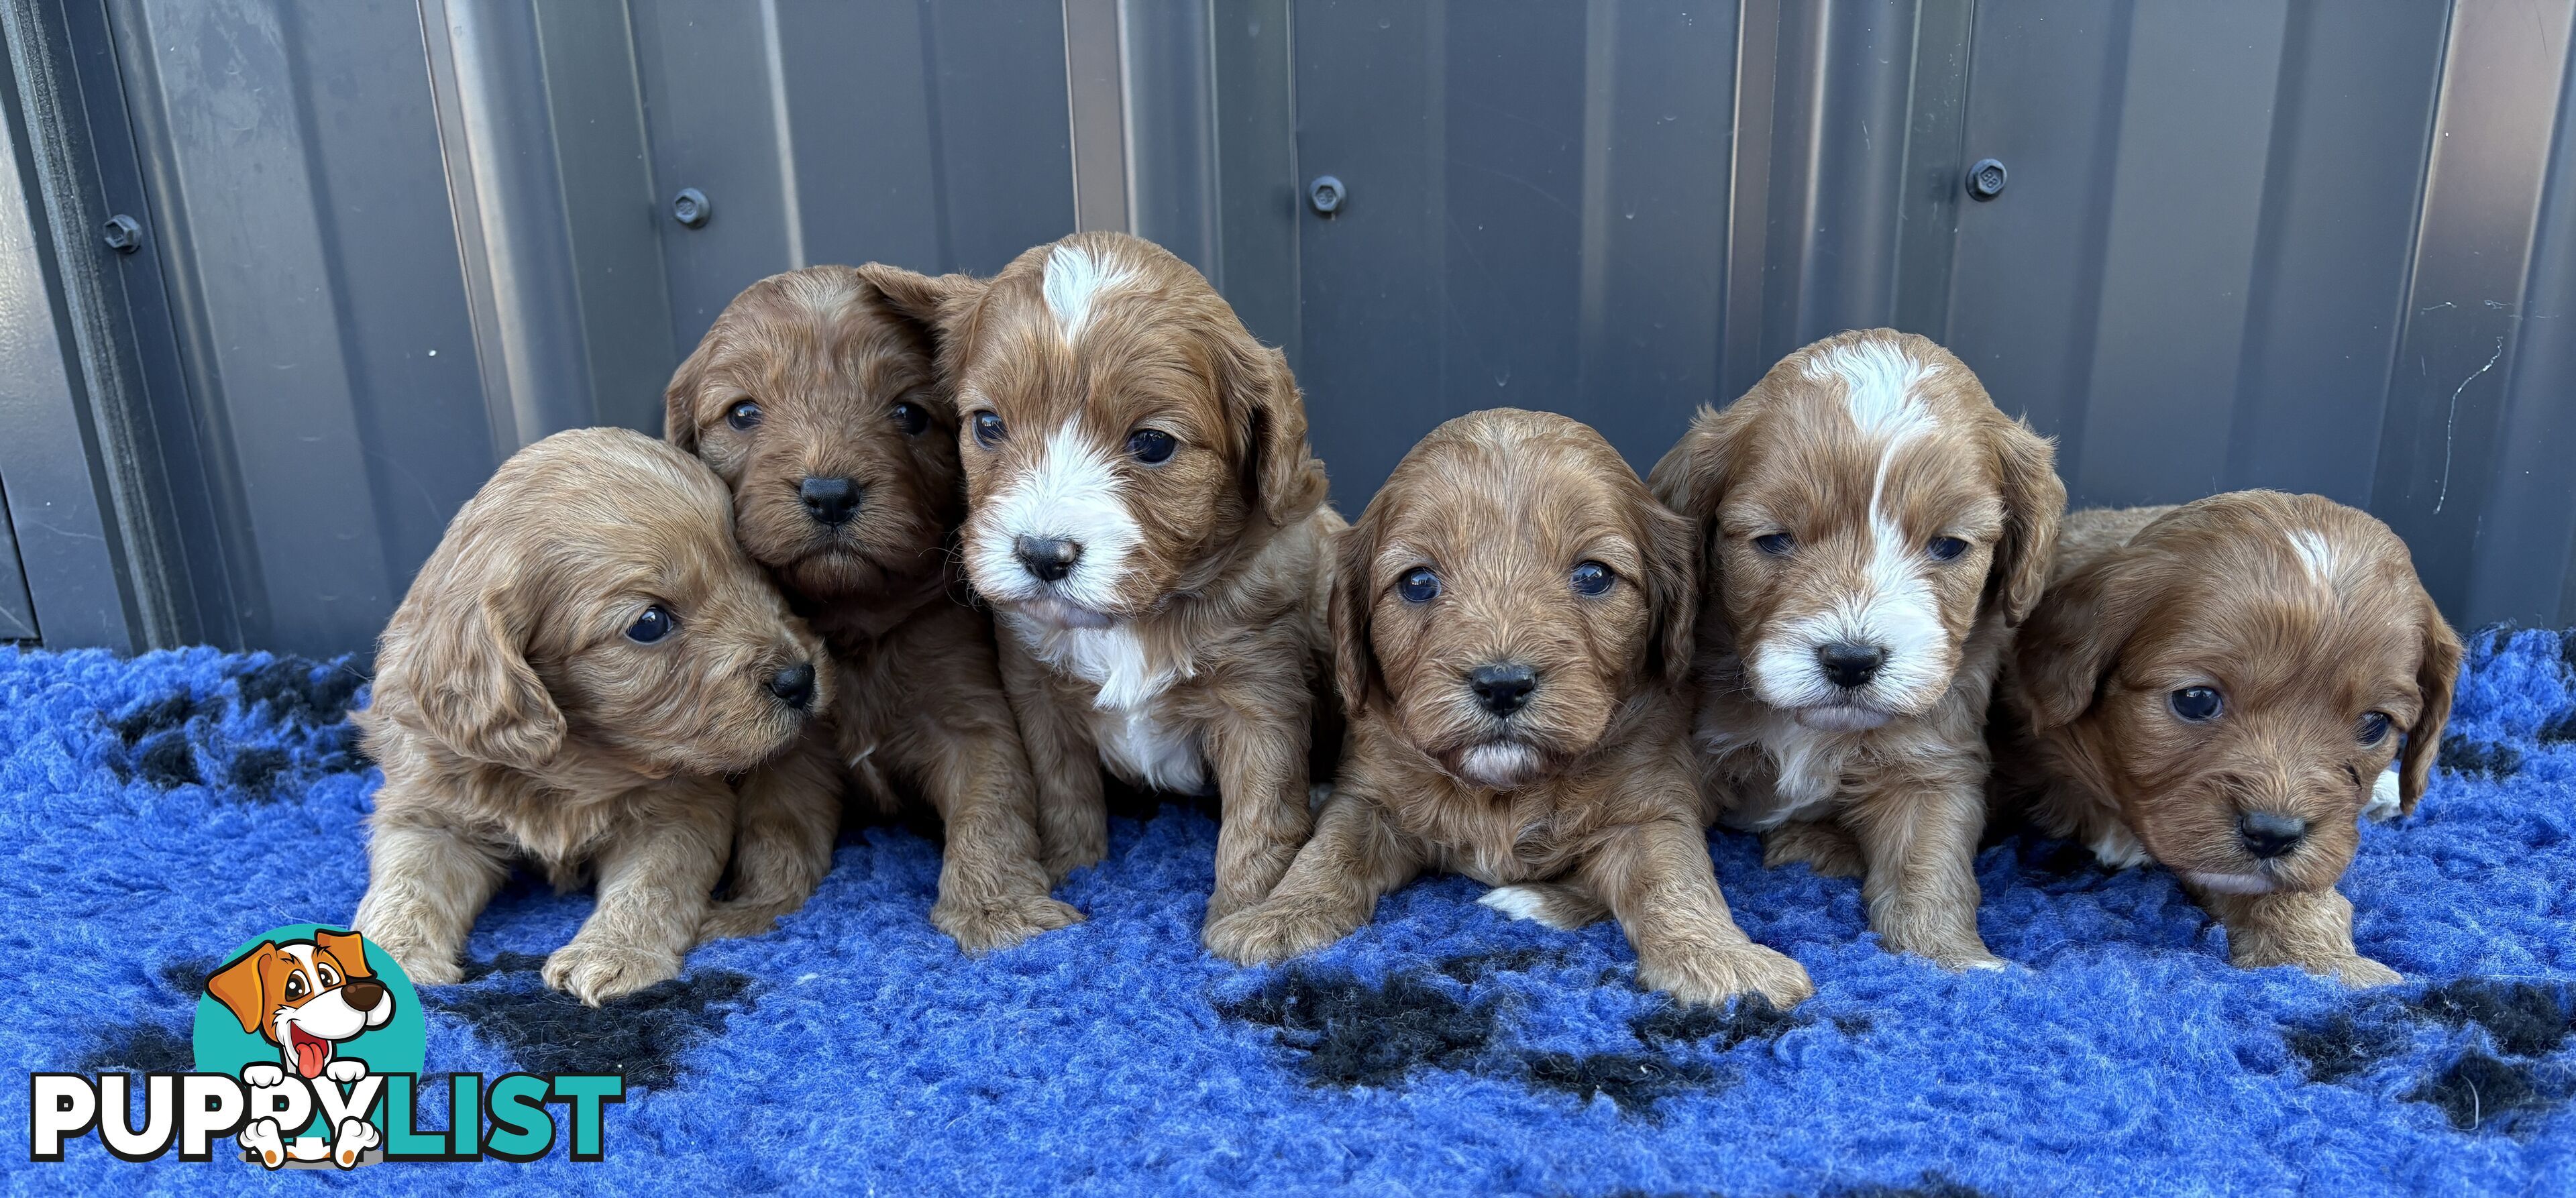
(161, 810)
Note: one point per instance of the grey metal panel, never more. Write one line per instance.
(1260, 195)
(1537, 194)
(2505, 71)
(17, 610)
(934, 136)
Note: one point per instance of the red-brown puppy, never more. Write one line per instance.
(569, 681)
(815, 397)
(1512, 622)
(2220, 686)
(1873, 529)
(1148, 523)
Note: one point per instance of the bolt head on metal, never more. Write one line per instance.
(691, 208)
(122, 233)
(1326, 194)
(1986, 179)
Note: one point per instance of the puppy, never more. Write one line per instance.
(815, 398)
(1873, 529)
(1149, 525)
(2220, 687)
(572, 675)
(307, 997)
(1512, 626)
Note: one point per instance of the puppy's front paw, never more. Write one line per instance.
(353, 1139)
(1070, 848)
(261, 1074)
(1271, 932)
(424, 965)
(264, 1138)
(981, 927)
(595, 973)
(2359, 973)
(1710, 975)
(345, 1069)
(1823, 847)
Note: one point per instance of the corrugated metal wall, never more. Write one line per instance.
(2309, 244)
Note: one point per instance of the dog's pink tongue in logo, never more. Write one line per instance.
(311, 1051)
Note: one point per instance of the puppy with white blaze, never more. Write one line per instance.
(1149, 526)
(1872, 530)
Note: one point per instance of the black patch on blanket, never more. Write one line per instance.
(2523, 1019)
(1633, 1080)
(2493, 760)
(167, 760)
(300, 690)
(140, 1047)
(1930, 1185)
(1476, 967)
(2480, 1093)
(2343, 1048)
(1752, 1018)
(166, 714)
(2561, 730)
(1357, 1034)
(642, 1035)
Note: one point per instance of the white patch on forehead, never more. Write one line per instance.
(1074, 282)
(2317, 555)
(1879, 385)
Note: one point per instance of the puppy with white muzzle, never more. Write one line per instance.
(2221, 687)
(1512, 624)
(1150, 528)
(1873, 528)
(575, 671)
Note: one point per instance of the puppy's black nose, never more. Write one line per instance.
(794, 685)
(363, 994)
(2267, 835)
(1850, 666)
(829, 500)
(1049, 558)
(1503, 687)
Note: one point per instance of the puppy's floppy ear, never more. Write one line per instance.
(2034, 502)
(926, 302)
(1691, 478)
(1280, 475)
(1672, 589)
(348, 948)
(2075, 634)
(238, 986)
(2435, 677)
(466, 665)
(1354, 658)
(680, 397)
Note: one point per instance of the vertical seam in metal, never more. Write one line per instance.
(782, 132)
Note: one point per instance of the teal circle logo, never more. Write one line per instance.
(314, 1002)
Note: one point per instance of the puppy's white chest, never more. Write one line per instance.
(1807, 767)
(1131, 715)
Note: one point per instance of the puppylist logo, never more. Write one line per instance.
(309, 1045)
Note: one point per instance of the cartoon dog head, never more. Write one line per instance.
(305, 996)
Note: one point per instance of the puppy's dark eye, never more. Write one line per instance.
(1150, 445)
(1946, 549)
(988, 429)
(744, 415)
(295, 985)
(2374, 727)
(2195, 704)
(1592, 578)
(329, 976)
(1419, 586)
(652, 626)
(1777, 544)
(911, 418)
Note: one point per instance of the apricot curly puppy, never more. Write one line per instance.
(1873, 528)
(815, 397)
(2220, 687)
(1512, 623)
(1149, 525)
(571, 677)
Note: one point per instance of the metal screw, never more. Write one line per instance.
(691, 208)
(1326, 194)
(1986, 179)
(122, 233)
